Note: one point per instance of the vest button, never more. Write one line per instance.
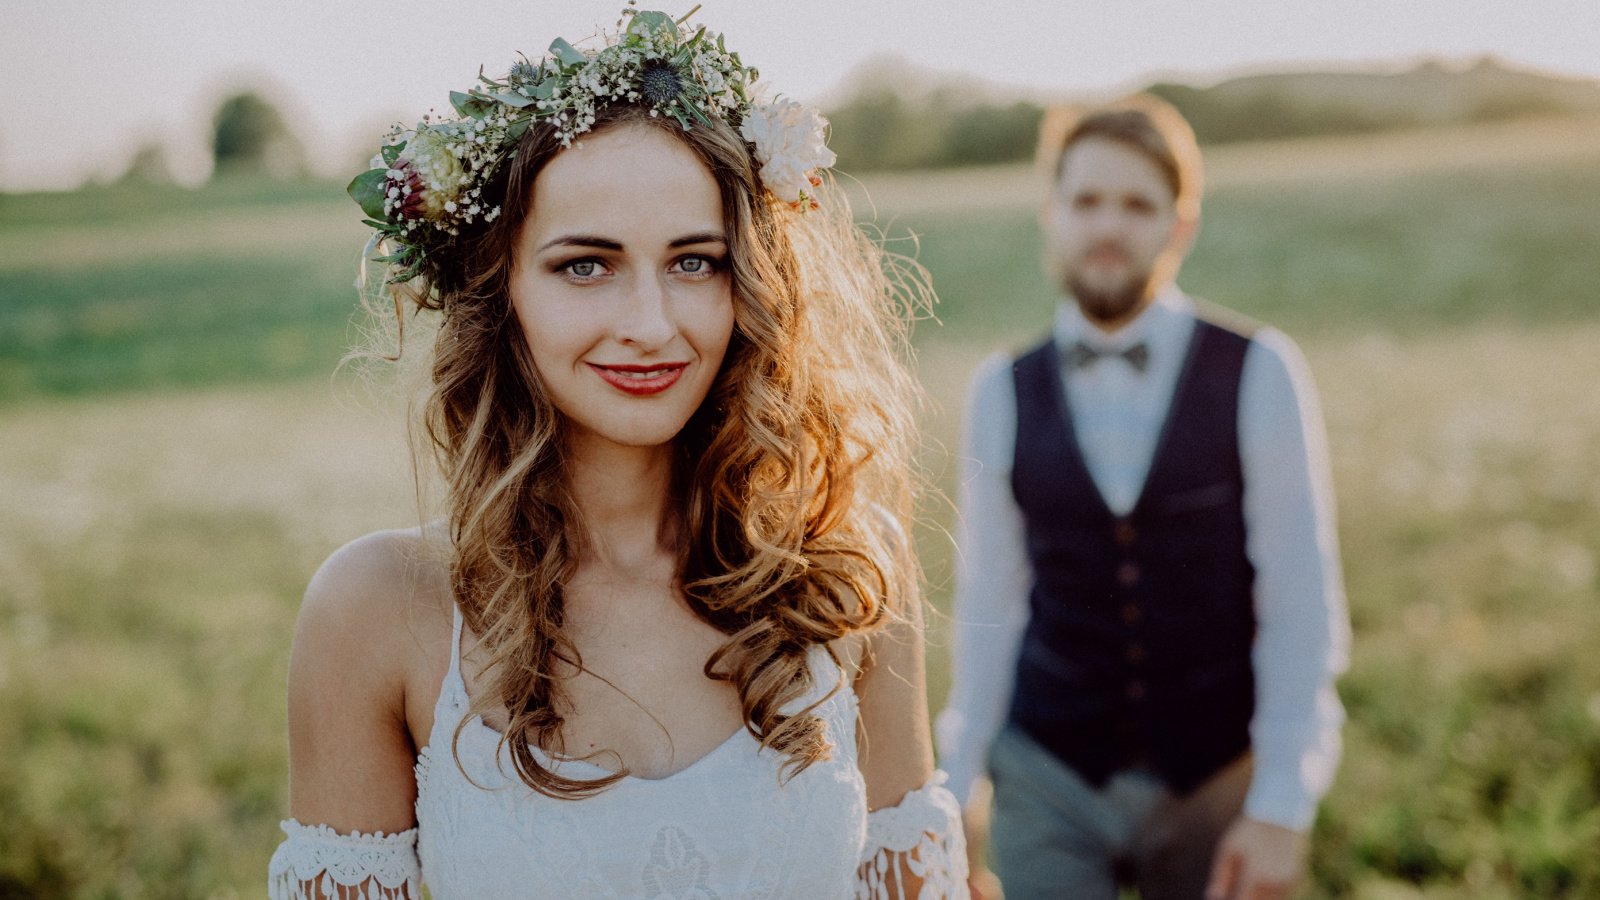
(1124, 533)
(1131, 614)
(1134, 691)
(1134, 653)
(1127, 574)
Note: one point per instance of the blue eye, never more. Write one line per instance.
(697, 266)
(582, 271)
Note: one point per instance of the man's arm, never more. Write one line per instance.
(1302, 637)
(991, 599)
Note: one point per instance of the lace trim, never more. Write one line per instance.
(920, 836)
(317, 862)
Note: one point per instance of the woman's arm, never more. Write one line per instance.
(914, 844)
(352, 788)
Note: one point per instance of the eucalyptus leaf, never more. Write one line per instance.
(513, 99)
(560, 49)
(472, 104)
(391, 152)
(518, 129)
(647, 21)
(367, 190)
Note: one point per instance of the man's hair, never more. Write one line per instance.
(1142, 122)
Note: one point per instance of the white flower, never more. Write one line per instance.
(788, 138)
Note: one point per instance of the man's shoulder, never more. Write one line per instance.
(1009, 359)
(1266, 343)
(1229, 320)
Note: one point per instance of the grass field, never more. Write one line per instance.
(176, 461)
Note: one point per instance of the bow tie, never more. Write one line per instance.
(1081, 355)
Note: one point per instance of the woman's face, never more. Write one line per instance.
(621, 285)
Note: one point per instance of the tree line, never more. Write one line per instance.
(894, 117)
(884, 123)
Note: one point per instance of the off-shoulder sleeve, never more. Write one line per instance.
(316, 862)
(918, 839)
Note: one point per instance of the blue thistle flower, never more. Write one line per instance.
(660, 83)
(523, 73)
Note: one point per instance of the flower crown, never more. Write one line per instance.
(428, 183)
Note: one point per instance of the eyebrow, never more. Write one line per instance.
(581, 240)
(603, 243)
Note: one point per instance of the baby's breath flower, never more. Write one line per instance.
(427, 183)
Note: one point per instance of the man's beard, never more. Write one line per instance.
(1109, 305)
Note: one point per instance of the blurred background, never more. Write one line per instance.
(1412, 191)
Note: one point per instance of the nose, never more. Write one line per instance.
(1106, 221)
(646, 319)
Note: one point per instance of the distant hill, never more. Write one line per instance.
(1283, 105)
(890, 115)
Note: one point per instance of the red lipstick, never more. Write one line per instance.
(641, 380)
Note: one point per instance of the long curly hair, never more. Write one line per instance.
(793, 483)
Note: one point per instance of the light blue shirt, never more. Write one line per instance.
(1118, 412)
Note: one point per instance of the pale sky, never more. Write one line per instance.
(86, 81)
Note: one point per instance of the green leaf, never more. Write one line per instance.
(513, 99)
(374, 223)
(391, 152)
(367, 190)
(411, 272)
(518, 129)
(647, 21)
(560, 49)
(472, 104)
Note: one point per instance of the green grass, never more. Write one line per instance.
(1405, 254)
(117, 289)
(176, 464)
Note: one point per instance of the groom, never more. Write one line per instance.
(1149, 610)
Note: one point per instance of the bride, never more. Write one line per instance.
(667, 640)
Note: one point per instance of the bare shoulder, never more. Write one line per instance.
(380, 569)
(894, 748)
(375, 621)
(380, 575)
(903, 597)
(373, 632)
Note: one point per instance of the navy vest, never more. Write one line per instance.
(1137, 650)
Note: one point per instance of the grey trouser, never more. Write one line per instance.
(1053, 835)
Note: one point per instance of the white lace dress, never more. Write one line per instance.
(725, 827)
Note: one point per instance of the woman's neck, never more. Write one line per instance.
(623, 493)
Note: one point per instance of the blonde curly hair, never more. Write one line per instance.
(793, 484)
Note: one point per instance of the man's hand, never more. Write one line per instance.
(1257, 861)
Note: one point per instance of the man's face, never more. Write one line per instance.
(1112, 231)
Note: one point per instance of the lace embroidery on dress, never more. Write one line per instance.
(318, 862)
(920, 835)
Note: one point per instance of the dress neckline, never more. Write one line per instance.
(453, 698)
